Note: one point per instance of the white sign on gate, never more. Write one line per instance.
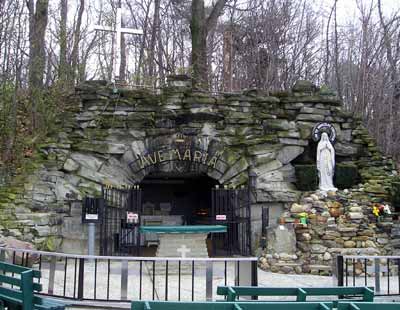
(132, 217)
(220, 217)
(89, 216)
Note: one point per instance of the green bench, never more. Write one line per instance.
(171, 305)
(18, 287)
(232, 293)
(368, 306)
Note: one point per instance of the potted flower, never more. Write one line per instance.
(303, 218)
(380, 210)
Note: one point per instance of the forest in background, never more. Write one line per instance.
(47, 47)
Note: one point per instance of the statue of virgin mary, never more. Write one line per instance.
(325, 163)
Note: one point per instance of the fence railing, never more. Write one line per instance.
(115, 278)
(381, 272)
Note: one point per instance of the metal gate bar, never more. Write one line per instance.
(117, 236)
(235, 205)
(113, 278)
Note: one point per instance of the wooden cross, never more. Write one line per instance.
(119, 31)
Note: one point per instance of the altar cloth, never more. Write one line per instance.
(184, 229)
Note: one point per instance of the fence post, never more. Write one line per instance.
(254, 276)
(339, 270)
(2, 255)
(52, 274)
(81, 278)
(377, 263)
(209, 280)
(91, 238)
(124, 280)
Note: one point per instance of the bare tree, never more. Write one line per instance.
(200, 26)
(63, 67)
(37, 55)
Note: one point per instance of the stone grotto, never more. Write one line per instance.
(120, 137)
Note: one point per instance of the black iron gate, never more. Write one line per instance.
(120, 221)
(231, 207)
(122, 209)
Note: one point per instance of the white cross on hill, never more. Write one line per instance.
(119, 31)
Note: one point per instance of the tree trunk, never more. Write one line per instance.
(37, 57)
(227, 60)
(153, 40)
(199, 45)
(122, 67)
(75, 48)
(63, 65)
(393, 100)
(160, 54)
(337, 73)
(200, 26)
(37, 44)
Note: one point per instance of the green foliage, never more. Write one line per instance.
(6, 98)
(18, 136)
(395, 192)
(346, 175)
(307, 177)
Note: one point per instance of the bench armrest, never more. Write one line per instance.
(27, 289)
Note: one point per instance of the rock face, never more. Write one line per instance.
(282, 239)
(343, 223)
(19, 258)
(117, 138)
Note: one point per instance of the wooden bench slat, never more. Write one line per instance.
(274, 291)
(7, 267)
(258, 305)
(44, 301)
(232, 292)
(368, 306)
(37, 287)
(16, 294)
(170, 305)
(23, 296)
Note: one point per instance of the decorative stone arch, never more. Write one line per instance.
(179, 153)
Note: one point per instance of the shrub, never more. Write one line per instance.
(307, 177)
(346, 175)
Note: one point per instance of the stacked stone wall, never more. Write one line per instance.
(256, 132)
(341, 223)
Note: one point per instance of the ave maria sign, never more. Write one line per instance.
(176, 154)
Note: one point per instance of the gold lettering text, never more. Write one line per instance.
(213, 161)
(197, 156)
(161, 157)
(143, 161)
(153, 159)
(187, 155)
(175, 153)
(205, 156)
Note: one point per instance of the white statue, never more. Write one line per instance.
(325, 163)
